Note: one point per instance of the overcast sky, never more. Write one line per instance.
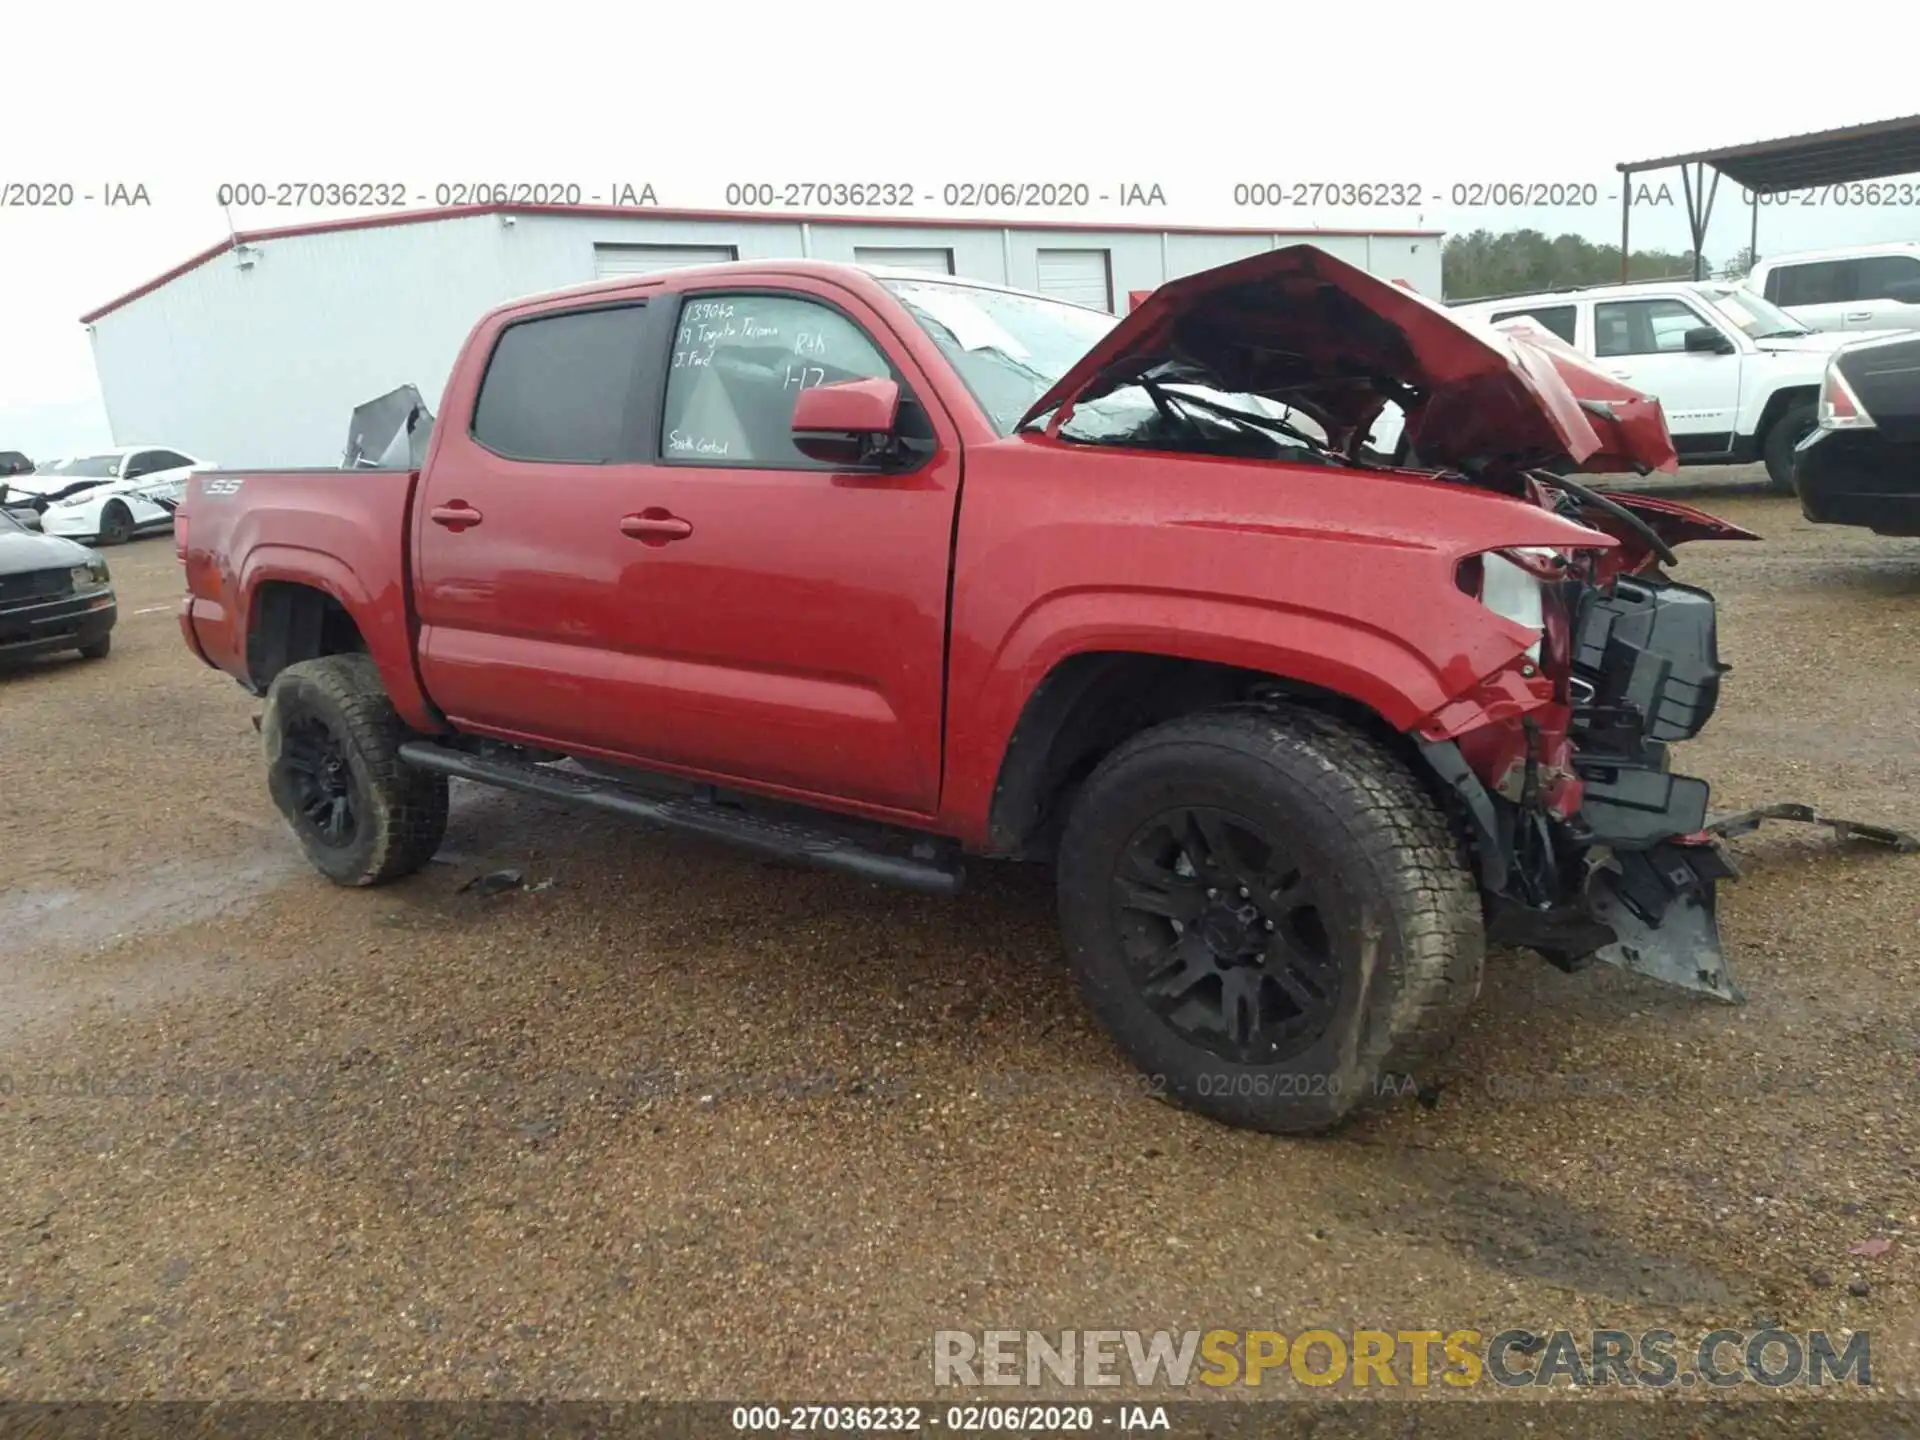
(183, 97)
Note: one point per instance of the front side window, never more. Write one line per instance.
(739, 364)
(561, 388)
(1643, 327)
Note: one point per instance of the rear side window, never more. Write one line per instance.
(562, 388)
(1820, 282)
(740, 361)
(1885, 277)
(1557, 318)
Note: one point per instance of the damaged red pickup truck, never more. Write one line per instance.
(875, 570)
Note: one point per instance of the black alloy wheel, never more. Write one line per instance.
(1223, 930)
(320, 781)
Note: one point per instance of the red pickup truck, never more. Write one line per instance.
(875, 570)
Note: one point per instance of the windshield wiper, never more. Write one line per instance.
(1269, 423)
(1782, 334)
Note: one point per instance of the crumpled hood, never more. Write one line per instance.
(1306, 329)
(1630, 425)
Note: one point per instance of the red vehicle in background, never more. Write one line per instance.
(877, 570)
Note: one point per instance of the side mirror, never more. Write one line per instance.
(850, 423)
(1705, 339)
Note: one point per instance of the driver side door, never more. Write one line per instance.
(1643, 342)
(787, 618)
(162, 477)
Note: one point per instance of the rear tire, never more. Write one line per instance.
(332, 741)
(1358, 948)
(116, 523)
(1782, 439)
(98, 650)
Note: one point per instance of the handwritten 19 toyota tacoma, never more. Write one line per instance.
(878, 570)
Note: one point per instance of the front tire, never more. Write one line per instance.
(1782, 440)
(98, 650)
(1269, 914)
(116, 523)
(332, 741)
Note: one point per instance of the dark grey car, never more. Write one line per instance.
(54, 595)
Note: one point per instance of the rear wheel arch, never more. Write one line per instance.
(289, 621)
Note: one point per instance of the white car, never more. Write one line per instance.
(108, 497)
(1857, 289)
(1738, 377)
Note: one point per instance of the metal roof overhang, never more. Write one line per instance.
(1771, 167)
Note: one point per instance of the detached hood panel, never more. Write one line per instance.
(1305, 329)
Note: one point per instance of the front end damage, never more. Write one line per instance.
(1589, 846)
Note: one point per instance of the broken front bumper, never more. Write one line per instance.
(1629, 877)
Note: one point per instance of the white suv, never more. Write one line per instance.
(1863, 287)
(1738, 377)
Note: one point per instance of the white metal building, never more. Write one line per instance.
(256, 351)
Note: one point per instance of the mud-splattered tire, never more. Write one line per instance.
(1783, 438)
(332, 744)
(1358, 949)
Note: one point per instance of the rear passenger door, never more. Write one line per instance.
(521, 569)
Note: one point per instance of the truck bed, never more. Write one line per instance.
(246, 537)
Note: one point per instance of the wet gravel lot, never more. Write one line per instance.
(683, 1124)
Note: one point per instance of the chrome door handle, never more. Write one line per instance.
(1859, 314)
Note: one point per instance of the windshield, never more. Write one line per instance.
(105, 467)
(1760, 319)
(1008, 348)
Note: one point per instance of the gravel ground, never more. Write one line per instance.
(687, 1125)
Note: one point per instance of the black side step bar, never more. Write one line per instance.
(927, 869)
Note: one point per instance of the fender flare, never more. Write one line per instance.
(1376, 670)
(380, 617)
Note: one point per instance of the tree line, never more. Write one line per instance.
(1481, 263)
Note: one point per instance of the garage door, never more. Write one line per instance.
(1079, 276)
(902, 257)
(612, 260)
